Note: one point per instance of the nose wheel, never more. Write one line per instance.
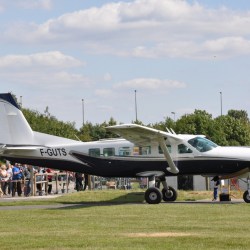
(153, 195)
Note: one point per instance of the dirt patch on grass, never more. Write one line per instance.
(159, 234)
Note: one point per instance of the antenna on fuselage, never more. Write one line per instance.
(173, 131)
(170, 131)
(77, 138)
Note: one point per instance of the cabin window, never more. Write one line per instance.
(168, 147)
(94, 152)
(145, 150)
(202, 144)
(183, 149)
(109, 151)
(124, 151)
(142, 150)
(136, 151)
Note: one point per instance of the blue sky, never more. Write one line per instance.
(178, 54)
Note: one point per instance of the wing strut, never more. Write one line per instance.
(172, 168)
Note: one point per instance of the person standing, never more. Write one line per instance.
(1, 181)
(78, 181)
(17, 178)
(10, 174)
(49, 172)
(86, 181)
(1, 192)
(39, 178)
(3, 178)
(217, 182)
(26, 174)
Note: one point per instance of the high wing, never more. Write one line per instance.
(143, 136)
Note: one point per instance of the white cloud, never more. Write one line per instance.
(45, 80)
(150, 84)
(237, 45)
(38, 4)
(42, 70)
(52, 59)
(144, 28)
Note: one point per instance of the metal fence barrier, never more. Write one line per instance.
(60, 182)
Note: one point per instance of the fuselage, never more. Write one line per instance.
(121, 158)
(145, 152)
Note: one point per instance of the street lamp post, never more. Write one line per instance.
(83, 112)
(135, 107)
(174, 115)
(221, 103)
(21, 101)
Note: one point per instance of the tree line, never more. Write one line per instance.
(232, 129)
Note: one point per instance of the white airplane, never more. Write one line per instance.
(145, 152)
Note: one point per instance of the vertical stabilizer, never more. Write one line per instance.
(14, 129)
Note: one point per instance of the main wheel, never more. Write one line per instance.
(153, 195)
(170, 194)
(246, 197)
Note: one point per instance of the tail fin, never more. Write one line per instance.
(14, 129)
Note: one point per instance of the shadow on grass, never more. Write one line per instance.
(128, 198)
(94, 199)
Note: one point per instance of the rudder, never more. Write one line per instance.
(14, 128)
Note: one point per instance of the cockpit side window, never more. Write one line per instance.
(202, 144)
(183, 149)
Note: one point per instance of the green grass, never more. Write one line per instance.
(121, 220)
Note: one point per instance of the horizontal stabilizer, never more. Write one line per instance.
(27, 148)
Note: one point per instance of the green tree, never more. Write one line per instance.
(235, 131)
(239, 114)
(231, 129)
(168, 123)
(200, 122)
(49, 124)
(90, 132)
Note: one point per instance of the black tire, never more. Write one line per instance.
(170, 194)
(246, 197)
(153, 195)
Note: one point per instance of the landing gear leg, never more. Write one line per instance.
(168, 192)
(153, 194)
(246, 195)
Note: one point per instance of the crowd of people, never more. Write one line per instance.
(16, 179)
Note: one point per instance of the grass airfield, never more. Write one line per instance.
(120, 219)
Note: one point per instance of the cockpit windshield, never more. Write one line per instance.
(202, 144)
